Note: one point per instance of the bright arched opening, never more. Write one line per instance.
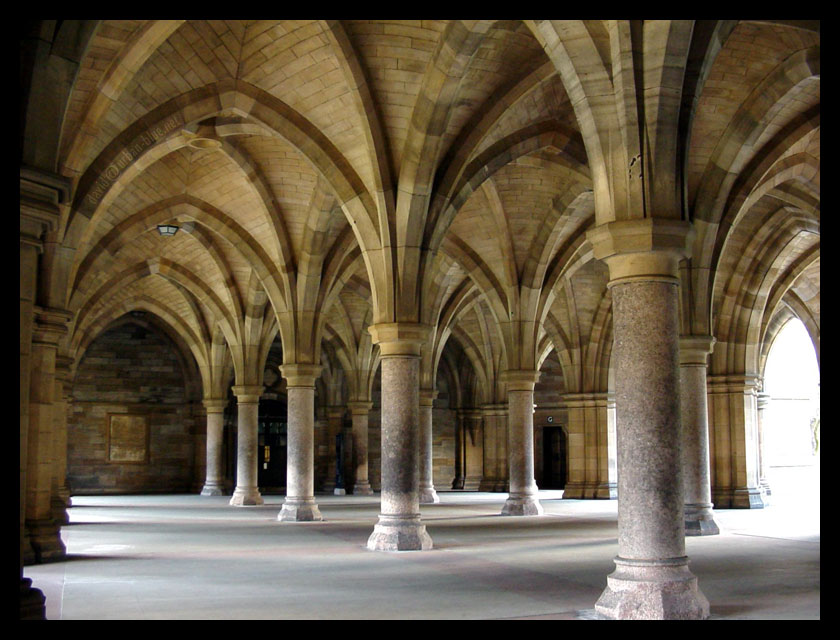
(791, 420)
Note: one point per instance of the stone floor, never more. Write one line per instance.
(194, 557)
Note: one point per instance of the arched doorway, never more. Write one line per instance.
(272, 432)
(791, 417)
(555, 447)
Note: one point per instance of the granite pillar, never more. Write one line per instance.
(247, 492)
(214, 483)
(300, 505)
(428, 495)
(522, 499)
(399, 527)
(652, 579)
(699, 518)
(359, 412)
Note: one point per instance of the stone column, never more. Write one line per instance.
(399, 527)
(762, 400)
(428, 495)
(42, 531)
(522, 500)
(473, 449)
(247, 407)
(699, 519)
(214, 484)
(460, 462)
(588, 443)
(495, 474)
(335, 417)
(300, 503)
(651, 579)
(733, 427)
(359, 412)
(41, 193)
(60, 491)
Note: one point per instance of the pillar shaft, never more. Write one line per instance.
(60, 490)
(428, 495)
(699, 518)
(360, 412)
(522, 500)
(762, 401)
(42, 530)
(300, 505)
(651, 579)
(247, 426)
(494, 450)
(215, 475)
(399, 527)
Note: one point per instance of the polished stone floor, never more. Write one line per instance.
(193, 557)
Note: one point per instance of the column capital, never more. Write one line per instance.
(642, 249)
(518, 380)
(335, 412)
(247, 393)
(359, 407)
(50, 325)
(495, 408)
(41, 193)
(215, 405)
(300, 375)
(427, 397)
(399, 338)
(694, 350)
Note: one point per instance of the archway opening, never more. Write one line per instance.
(791, 421)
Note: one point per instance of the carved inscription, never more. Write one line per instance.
(128, 439)
(129, 154)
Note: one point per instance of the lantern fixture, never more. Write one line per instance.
(167, 229)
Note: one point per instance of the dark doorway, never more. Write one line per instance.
(554, 458)
(271, 449)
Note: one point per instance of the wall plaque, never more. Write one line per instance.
(128, 438)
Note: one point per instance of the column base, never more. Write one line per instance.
(58, 508)
(300, 510)
(748, 499)
(472, 483)
(428, 495)
(362, 489)
(399, 533)
(339, 491)
(700, 521)
(213, 489)
(522, 505)
(652, 590)
(245, 497)
(584, 491)
(44, 544)
(488, 484)
(458, 483)
(32, 602)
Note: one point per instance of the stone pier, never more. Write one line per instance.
(248, 402)
(214, 484)
(651, 579)
(399, 527)
(300, 503)
(699, 518)
(522, 499)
